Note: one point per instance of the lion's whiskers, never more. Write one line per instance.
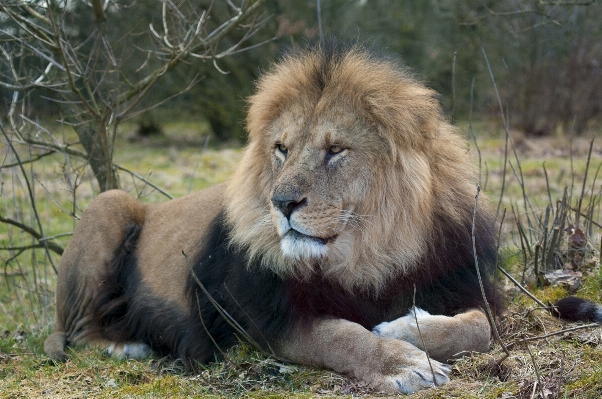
(354, 219)
(264, 219)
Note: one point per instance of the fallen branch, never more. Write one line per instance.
(523, 289)
(537, 338)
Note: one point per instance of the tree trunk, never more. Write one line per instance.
(94, 139)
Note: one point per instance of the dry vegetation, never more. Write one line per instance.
(547, 358)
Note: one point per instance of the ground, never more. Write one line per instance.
(547, 358)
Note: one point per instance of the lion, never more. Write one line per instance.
(343, 240)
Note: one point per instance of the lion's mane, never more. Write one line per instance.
(423, 180)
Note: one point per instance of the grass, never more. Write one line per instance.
(568, 364)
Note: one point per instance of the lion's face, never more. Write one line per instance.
(348, 159)
(321, 175)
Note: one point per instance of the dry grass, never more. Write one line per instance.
(568, 364)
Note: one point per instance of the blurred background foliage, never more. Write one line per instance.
(546, 56)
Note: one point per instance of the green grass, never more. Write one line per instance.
(178, 163)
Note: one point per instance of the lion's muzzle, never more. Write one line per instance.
(298, 238)
(287, 205)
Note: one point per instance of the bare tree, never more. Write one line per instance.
(98, 74)
(96, 62)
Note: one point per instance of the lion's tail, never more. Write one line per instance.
(578, 309)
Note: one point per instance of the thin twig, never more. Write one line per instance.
(497, 248)
(428, 358)
(272, 353)
(474, 137)
(560, 374)
(227, 317)
(507, 134)
(545, 172)
(58, 205)
(545, 336)
(319, 11)
(476, 263)
(32, 246)
(508, 141)
(31, 197)
(136, 175)
(224, 355)
(453, 116)
(523, 289)
(586, 216)
(30, 160)
(536, 371)
(536, 265)
(589, 157)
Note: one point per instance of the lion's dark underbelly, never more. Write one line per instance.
(267, 306)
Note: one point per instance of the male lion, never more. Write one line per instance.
(352, 206)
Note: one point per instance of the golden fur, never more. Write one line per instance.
(409, 159)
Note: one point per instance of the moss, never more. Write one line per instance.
(592, 285)
(588, 386)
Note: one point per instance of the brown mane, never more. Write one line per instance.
(420, 166)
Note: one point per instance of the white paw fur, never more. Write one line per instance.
(129, 350)
(401, 328)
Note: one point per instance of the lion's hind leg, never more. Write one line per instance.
(95, 256)
(444, 338)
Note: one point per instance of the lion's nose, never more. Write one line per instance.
(287, 205)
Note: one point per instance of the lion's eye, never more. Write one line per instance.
(282, 149)
(333, 153)
(335, 149)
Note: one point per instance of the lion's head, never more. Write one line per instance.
(347, 162)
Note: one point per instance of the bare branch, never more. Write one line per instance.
(35, 50)
(228, 26)
(36, 31)
(544, 336)
(30, 160)
(121, 116)
(59, 148)
(44, 243)
(523, 289)
(62, 53)
(99, 11)
(136, 175)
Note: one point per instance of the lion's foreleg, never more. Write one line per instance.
(387, 364)
(443, 338)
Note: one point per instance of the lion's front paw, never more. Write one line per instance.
(409, 380)
(406, 369)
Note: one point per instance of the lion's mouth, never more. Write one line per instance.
(296, 235)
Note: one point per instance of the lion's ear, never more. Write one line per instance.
(408, 114)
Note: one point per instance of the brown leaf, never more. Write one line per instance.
(568, 278)
(577, 238)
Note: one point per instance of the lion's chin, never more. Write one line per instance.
(299, 246)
